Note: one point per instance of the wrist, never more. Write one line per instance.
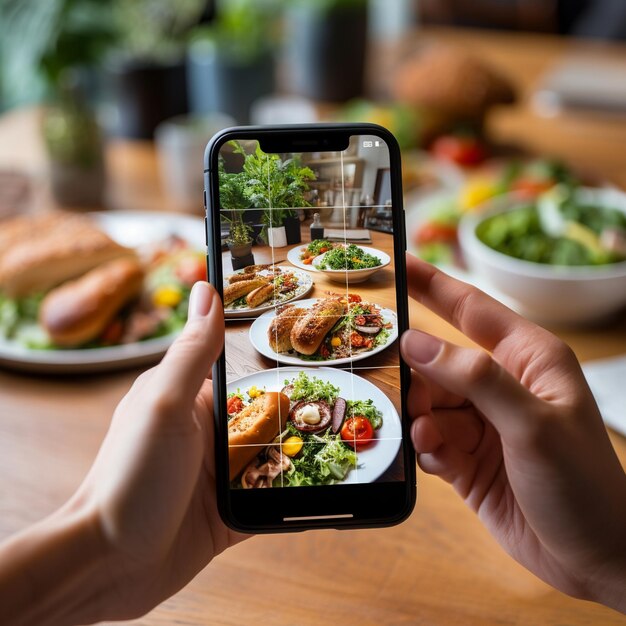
(55, 571)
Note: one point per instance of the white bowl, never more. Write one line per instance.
(353, 276)
(552, 294)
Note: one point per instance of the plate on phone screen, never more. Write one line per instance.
(378, 456)
(386, 335)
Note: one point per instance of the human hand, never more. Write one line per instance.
(152, 485)
(519, 436)
(144, 521)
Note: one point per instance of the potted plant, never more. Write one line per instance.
(278, 186)
(326, 48)
(233, 200)
(64, 40)
(146, 71)
(274, 227)
(230, 62)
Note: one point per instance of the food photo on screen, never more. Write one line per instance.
(312, 361)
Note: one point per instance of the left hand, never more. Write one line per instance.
(151, 489)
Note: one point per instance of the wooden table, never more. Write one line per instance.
(439, 567)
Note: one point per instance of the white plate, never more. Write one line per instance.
(131, 229)
(354, 276)
(293, 256)
(306, 284)
(374, 460)
(258, 338)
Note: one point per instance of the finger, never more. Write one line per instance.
(451, 465)
(184, 368)
(425, 394)
(473, 312)
(473, 374)
(461, 428)
(425, 435)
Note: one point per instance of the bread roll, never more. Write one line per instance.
(238, 290)
(255, 427)
(260, 295)
(279, 331)
(80, 310)
(236, 278)
(41, 252)
(309, 331)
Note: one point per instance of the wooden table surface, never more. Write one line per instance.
(439, 567)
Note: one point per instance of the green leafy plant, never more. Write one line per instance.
(234, 200)
(270, 182)
(242, 31)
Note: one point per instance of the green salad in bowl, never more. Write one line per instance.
(561, 258)
(351, 262)
(558, 229)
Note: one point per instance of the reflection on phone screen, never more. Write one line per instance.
(312, 358)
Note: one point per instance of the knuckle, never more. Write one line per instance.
(480, 368)
(463, 305)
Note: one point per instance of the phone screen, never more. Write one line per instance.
(312, 364)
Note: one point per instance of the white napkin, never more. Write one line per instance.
(607, 379)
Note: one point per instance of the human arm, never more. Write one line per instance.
(144, 521)
(516, 431)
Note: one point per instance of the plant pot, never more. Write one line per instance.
(144, 94)
(217, 82)
(326, 50)
(292, 230)
(239, 250)
(277, 237)
(75, 186)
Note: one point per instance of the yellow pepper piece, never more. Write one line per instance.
(292, 445)
(335, 342)
(255, 392)
(167, 295)
(475, 193)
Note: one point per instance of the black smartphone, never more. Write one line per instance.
(306, 245)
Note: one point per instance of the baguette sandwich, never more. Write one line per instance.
(309, 330)
(80, 310)
(43, 251)
(254, 427)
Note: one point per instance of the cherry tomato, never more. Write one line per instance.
(354, 297)
(357, 432)
(308, 260)
(191, 269)
(234, 405)
(433, 232)
(356, 340)
(459, 150)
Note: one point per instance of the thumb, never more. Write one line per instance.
(188, 362)
(475, 375)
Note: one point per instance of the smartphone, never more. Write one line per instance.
(306, 245)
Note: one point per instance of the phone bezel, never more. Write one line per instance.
(371, 504)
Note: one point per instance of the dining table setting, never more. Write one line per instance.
(440, 566)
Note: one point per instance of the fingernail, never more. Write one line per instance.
(421, 347)
(200, 300)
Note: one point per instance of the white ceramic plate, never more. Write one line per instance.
(354, 276)
(305, 285)
(373, 461)
(293, 256)
(133, 229)
(260, 326)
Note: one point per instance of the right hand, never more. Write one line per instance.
(518, 434)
